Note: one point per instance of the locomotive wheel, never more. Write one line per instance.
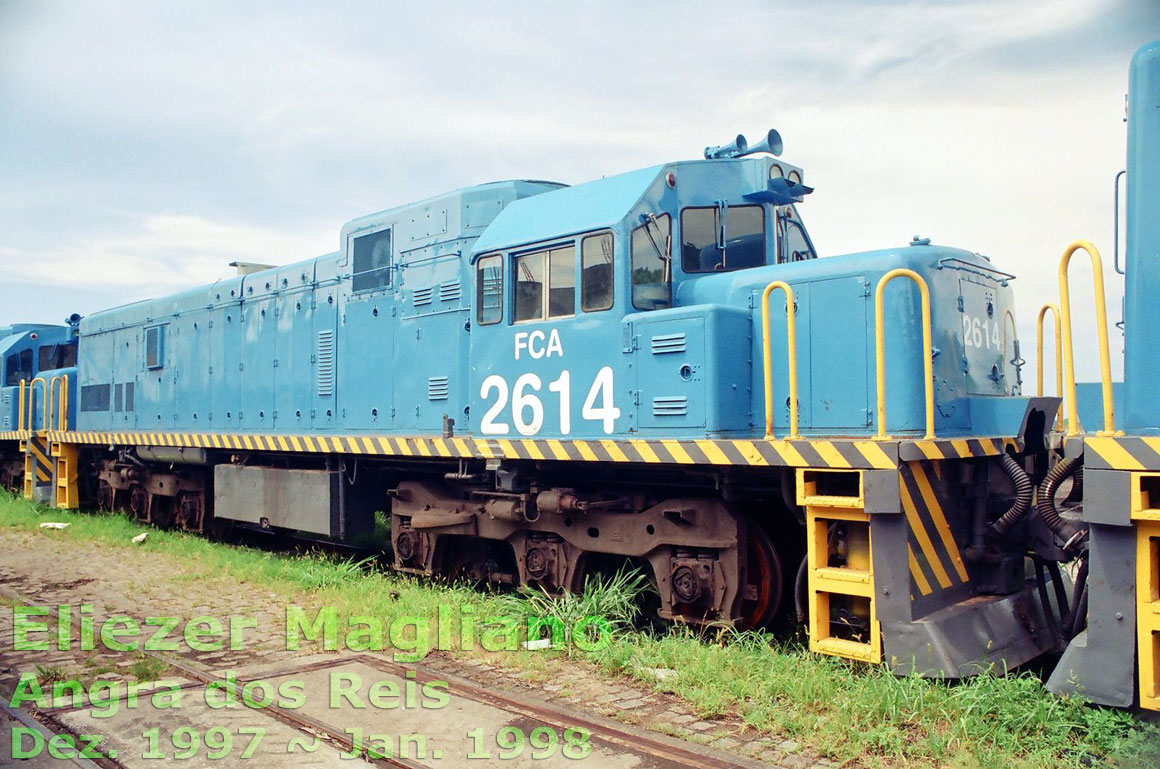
(106, 497)
(139, 502)
(162, 511)
(761, 595)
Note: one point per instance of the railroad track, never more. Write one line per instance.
(608, 738)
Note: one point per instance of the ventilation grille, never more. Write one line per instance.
(449, 292)
(666, 343)
(96, 397)
(325, 358)
(437, 388)
(670, 406)
(423, 296)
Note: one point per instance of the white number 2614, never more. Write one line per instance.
(528, 410)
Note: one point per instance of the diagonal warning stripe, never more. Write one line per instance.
(935, 511)
(924, 542)
(916, 573)
(1114, 454)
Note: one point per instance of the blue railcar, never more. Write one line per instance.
(38, 366)
(539, 382)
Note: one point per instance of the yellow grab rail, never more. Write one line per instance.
(20, 409)
(58, 407)
(880, 349)
(1102, 331)
(1039, 355)
(31, 394)
(791, 346)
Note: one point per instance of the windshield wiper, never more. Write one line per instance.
(650, 222)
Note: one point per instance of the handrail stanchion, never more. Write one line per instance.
(791, 345)
(58, 403)
(62, 413)
(49, 395)
(31, 396)
(1058, 360)
(1102, 333)
(50, 417)
(880, 350)
(20, 410)
(1017, 359)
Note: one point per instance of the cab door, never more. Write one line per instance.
(546, 358)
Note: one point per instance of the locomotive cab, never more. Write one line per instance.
(672, 260)
(32, 353)
(557, 273)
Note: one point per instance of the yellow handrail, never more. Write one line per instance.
(58, 407)
(31, 393)
(791, 345)
(880, 350)
(20, 410)
(1039, 356)
(1102, 331)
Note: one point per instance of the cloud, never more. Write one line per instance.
(144, 146)
(163, 252)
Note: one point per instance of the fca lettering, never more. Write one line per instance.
(534, 344)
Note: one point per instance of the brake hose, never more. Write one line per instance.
(1024, 492)
(1045, 506)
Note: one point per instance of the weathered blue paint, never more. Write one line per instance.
(297, 348)
(1142, 265)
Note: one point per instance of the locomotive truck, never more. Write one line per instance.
(538, 382)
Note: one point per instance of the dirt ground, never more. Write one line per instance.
(50, 570)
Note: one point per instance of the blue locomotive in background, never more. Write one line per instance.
(539, 382)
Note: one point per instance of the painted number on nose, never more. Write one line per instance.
(982, 333)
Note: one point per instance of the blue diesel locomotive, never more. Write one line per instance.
(541, 381)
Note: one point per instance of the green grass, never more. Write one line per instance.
(146, 668)
(846, 711)
(615, 599)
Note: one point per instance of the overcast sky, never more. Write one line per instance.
(144, 146)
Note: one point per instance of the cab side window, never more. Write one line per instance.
(596, 272)
(795, 245)
(545, 284)
(652, 272)
(57, 356)
(489, 290)
(713, 239)
(18, 366)
(372, 261)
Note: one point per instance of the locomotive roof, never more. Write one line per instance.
(516, 189)
(568, 210)
(23, 328)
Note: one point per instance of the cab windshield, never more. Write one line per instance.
(793, 242)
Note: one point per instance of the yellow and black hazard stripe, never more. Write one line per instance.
(936, 564)
(11, 435)
(40, 462)
(854, 454)
(954, 448)
(1122, 453)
